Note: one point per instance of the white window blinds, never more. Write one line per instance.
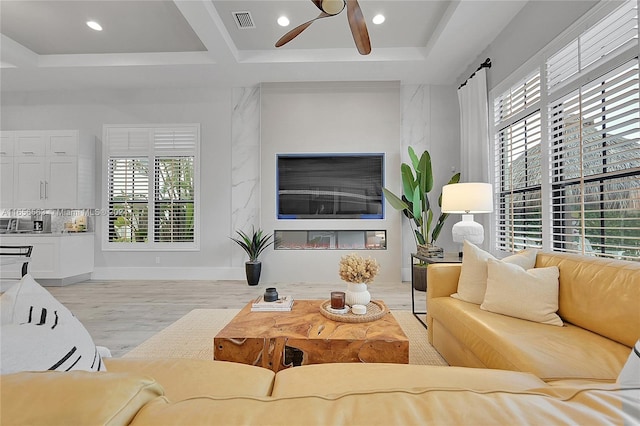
(152, 186)
(518, 175)
(174, 199)
(615, 33)
(518, 207)
(594, 136)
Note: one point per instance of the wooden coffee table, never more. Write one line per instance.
(279, 340)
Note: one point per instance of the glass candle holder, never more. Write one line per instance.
(337, 299)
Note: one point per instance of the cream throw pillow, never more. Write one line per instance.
(473, 275)
(531, 295)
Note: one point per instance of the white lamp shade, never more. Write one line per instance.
(472, 197)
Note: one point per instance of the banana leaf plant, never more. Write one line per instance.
(417, 183)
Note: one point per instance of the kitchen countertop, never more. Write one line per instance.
(44, 234)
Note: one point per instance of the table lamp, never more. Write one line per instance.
(467, 198)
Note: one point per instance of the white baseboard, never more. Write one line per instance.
(172, 273)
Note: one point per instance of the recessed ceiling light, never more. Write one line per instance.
(94, 25)
(283, 21)
(378, 19)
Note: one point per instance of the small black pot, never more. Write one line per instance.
(253, 270)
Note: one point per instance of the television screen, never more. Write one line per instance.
(330, 186)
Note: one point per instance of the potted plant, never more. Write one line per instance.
(417, 183)
(253, 244)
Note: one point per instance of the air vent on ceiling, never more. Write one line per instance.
(243, 20)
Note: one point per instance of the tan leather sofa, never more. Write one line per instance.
(599, 303)
(197, 392)
(578, 362)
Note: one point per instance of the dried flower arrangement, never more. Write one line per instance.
(356, 269)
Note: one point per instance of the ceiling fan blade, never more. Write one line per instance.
(358, 27)
(297, 30)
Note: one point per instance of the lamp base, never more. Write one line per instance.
(468, 230)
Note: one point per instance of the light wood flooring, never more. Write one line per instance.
(122, 314)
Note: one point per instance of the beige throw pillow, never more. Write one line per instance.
(531, 295)
(473, 275)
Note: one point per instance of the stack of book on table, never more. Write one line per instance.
(283, 304)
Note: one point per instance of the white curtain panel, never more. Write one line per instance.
(474, 128)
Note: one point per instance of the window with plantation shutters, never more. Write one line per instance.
(567, 142)
(595, 166)
(152, 189)
(518, 210)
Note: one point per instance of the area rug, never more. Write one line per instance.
(192, 337)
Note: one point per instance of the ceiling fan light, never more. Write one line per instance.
(378, 19)
(94, 25)
(333, 7)
(283, 21)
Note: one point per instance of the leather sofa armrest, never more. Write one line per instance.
(74, 397)
(442, 281)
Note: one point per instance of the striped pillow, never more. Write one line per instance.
(39, 333)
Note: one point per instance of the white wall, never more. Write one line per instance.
(537, 24)
(425, 117)
(89, 110)
(329, 118)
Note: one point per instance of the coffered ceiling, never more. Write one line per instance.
(197, 43)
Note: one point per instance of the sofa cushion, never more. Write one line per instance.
(340, 378)
(473, 276)
(508, 343)
(598, 294)
(531, 295)
(38, 333)
(427, 406)
(184, 378)
(74, 398)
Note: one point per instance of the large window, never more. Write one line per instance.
(595, 166)
(567, 158)
(517, 172)
(151, 189)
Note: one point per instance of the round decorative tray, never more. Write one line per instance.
(375, 310)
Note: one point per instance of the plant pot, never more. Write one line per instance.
(420, 277)
(253, 270)
(357, 294)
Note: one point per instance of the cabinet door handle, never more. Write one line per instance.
(28, 152)
(59, 152)
(46, 190)
(41, 184)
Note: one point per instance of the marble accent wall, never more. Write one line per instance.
(245, 163)
(430, 122)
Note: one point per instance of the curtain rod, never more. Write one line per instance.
(485, 64)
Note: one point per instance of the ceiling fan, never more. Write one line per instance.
(331, 8)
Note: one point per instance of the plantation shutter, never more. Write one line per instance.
(615, 33)
(518, 174)
(595, 166)
(128, 199)
(152, 185)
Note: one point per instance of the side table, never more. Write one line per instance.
(447, 258)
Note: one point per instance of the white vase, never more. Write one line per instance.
(357, 294)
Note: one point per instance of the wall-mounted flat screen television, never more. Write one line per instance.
(330, 186)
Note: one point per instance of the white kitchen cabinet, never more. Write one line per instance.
(6, 169)
(29, 182)
(6, 184)
(50, 170)
(57, 259)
